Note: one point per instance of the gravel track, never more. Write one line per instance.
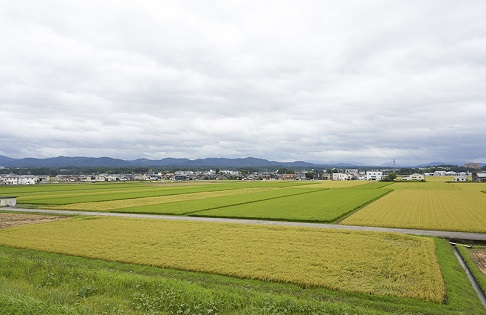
(441, 234)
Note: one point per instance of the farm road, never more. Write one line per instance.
(441, 234)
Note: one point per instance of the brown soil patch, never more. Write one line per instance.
(14, 219)
(479, 258)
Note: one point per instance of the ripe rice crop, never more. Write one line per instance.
(375, 263)
(451, 210)
(439, 178)
(422, 186)
(338, 184)
(470, 186)
(319, 206)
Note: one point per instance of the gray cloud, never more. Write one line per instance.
(315, 80)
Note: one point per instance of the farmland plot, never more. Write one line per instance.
(83, 193)
(450, 210)
(96, 195)
(375, 263)
(470, 186)
(319, 206)
(183, 207)
(435, 185)
(140, 204)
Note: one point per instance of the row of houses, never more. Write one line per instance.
(347, 174)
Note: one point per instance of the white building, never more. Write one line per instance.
(461, 178)
(18, 180)
(340, 176)
(374, 175)
(8, 201)
(415, 176)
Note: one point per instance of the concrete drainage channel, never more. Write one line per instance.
(477, 288)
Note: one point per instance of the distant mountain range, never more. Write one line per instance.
(251, 162)
(64, 161)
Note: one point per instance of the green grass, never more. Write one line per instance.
(33, 282)
(459, 291)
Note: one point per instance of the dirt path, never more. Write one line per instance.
(14, 219)
(442, 234)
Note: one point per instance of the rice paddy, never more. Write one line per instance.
(452, 210)
(381, 265)
(375, 263)
(325, 201)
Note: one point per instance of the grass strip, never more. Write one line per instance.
(459, 292)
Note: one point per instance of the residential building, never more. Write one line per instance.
(340, 176)
(13, 179)
(461, 178)
(414, 177)
(479, 177)
(374, 175)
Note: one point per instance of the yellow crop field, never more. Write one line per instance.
(136, 202)
(422, 186)
(336, 184)
(451, 210)
(439, 178)
(375, 263)
(470, 186)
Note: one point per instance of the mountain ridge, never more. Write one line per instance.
(83, 161)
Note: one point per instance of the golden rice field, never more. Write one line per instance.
(335, 184)
(439, 178)
(452, 210)
(422, 186)
(377, 263)
(470, 186)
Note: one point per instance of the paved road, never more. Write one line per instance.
(442, 234)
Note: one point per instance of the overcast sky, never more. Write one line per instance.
(320, 81)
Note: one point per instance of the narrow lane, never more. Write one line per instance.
(441, 234)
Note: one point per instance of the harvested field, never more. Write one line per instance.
(14, 219)
(479, 258)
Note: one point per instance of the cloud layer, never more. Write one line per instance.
(284, 80)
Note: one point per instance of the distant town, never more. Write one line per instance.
(468, 172)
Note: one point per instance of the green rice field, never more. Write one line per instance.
(272, 200)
